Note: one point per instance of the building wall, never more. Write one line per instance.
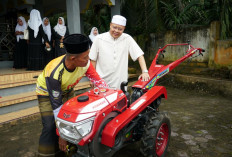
(197, 37)
(223, 54)
(218, 53)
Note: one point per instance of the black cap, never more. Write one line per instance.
(83, 98)
(76, 43)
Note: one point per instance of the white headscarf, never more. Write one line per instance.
(35, 21)
(21, 28)
(91, 35)
(47, 29)
(60, 29)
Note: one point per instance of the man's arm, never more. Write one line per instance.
(94, 63)
(145, 76)
(136, 53)
(94, 77)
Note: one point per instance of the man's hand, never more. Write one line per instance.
(47, 44)
(62, 38)
(62, 144)
(144, 76)
(91, 84)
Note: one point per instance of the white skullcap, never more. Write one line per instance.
(118, 19)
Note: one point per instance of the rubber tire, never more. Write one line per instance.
(148, 140)
(96, 146)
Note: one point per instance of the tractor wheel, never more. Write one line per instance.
(156, 137)
(99, 150)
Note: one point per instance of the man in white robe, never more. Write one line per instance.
(109, 54)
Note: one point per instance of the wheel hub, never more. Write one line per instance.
(162, 139)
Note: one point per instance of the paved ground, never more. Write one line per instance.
(201, 127)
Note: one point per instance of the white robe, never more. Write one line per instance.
(47, 29)
(60, 29)
(20, 28)
(35, 21)
(111, 56)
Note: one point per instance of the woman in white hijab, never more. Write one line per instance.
(49, 53)
(93, 34)
(35, 46)
(20, 54)
(60, 32)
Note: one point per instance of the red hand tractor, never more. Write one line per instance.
(102, 121)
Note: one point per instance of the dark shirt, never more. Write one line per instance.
(56, 36)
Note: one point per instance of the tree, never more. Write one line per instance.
(143, 16)
(188, 14)
(226, 18)
(146, 16)
(97, 16)
(220, 10)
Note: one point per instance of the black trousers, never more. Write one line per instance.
(48, 142)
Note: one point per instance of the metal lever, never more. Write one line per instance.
(123, 84)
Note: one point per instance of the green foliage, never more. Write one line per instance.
(220, 10)
(189, 15)
(146, 16)
(143, 16)
(226, 18)
(97, 16)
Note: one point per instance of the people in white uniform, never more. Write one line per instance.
(60, 31)
(109, 54)
(48, 52)
(20, 53)
(93, 34)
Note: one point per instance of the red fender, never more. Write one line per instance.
(113, 127)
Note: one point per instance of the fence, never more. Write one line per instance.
(7, 40)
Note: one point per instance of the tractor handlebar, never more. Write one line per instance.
(191, 49)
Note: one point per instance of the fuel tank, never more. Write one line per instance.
(89, 103)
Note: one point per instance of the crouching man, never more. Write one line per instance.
(55, 86)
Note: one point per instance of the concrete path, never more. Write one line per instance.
(201, 127)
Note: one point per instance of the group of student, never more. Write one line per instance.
(43, 44)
